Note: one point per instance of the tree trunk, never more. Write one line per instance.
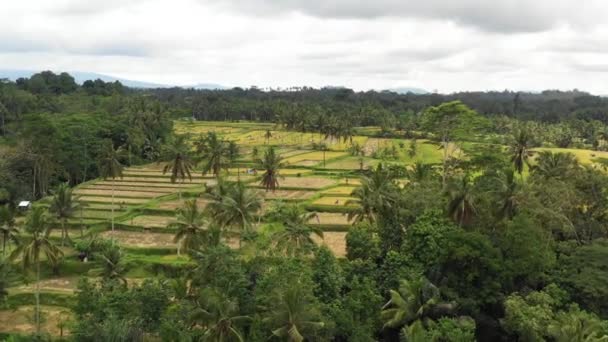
(4, 244)
(38, 296)
(63, 232)
(445, 160)
(112, 208)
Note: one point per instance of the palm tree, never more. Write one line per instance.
(8, 226)
(295, 238)
(37, 243)
(267, 136)
(461, 203)
(271, 164)
(554, 165)
(112, 266)
(520, 149)
(575, 327)
(420, 172)
(180, 164)
(293, 315)
(190, 227)
(233, 154)
(507, 194)
(110, 167)
(413, 300)
(220, 316)
(236, 208)
(375, 192)
(63, 205)
(212, 150)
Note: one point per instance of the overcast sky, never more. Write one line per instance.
(444, 45)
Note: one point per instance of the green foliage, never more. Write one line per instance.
(327, 275)
(361, 243)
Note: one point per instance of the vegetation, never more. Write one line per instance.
(383, 217)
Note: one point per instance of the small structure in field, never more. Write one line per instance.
(24, 205)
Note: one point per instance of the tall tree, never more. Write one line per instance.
(63, 205)
(271, 163)
(220, 316)
(461, 206)
(190, 226)
(377, 191)
(414, 300)
(295, 237)
(233, 154)
(236, 209)
(8, 226)
(520, 149)
(293, 316)
(554, 165)
(213, 153)
(110, 167)
(178, 162)
(34, 245)
(450, 121)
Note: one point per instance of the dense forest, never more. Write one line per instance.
(507, 244)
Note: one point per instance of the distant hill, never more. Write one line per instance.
(81, 76)
(406, 90)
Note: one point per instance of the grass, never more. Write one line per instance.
(313, 156)
(331, 219)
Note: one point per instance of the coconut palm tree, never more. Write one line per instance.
(295, 237)
(213, 152)
(554, 165)
(110, 167)
(63, 205)
(375, 192)
(413, 300)
(293, 315)
(112, 265)
(34, 245)
(271, 164)
(461, 202)
(520, 149)
(8, 226)
(420, 172)
(220, 317)
(507, 194)
(237, 208)
(571, 327)
(179, 163)
(190, 227)
(233, 154)
(267, 136)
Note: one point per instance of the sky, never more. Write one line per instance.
(437, 45)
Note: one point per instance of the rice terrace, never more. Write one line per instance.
(304, 171)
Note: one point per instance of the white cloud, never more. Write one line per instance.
(444, 45)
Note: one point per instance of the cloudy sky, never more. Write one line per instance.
(444, 45)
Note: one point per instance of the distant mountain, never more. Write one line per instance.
(210, 86)
(405, 90)
(81, 76)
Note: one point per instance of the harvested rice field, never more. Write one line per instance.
(21, 320)
(176, 204)
(332, 200)
(117, 193)
(335, 241)
(314, 156)
(306, 182)
(148, 185)
(117, 201)
(331, 219)
(140, 239)
(340, 191)
(150, 221)
(288, 194)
